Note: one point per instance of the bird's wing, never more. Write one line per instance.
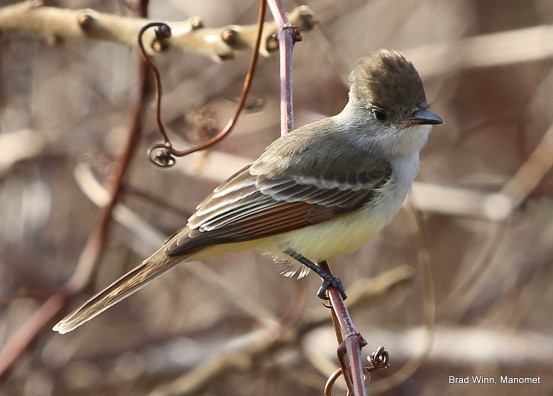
(287, 188)
(276, 195)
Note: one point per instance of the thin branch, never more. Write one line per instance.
(349, 351)
(25, 334)
(287, 35)
(18, 146)
(90, 254)
(351, 342)
(532, 171)
(58, 25)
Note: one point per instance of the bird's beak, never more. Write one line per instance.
(424, 117)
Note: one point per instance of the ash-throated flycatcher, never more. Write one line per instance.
(319, 192)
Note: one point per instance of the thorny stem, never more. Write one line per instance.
(164, 158)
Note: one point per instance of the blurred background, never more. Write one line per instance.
(233, 325)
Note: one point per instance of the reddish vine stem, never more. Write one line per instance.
(349, 350)
(162, 154)
(287, 35)
(91, 253)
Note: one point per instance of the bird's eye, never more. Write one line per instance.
(379, 114)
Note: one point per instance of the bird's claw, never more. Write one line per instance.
(331, 281)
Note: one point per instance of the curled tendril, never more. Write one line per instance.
(331, 380)
(162, 158)
(380, 358)
(339, 372)
(160, 155)
(163, 154)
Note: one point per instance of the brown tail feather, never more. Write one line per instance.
(117, 291)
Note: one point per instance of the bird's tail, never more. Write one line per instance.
(129, 283)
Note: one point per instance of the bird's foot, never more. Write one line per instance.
(329, 280)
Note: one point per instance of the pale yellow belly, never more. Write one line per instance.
(330, 239)
(324, 241)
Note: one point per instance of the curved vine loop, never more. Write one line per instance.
(162, 157)
(163, 154)
(379, 359)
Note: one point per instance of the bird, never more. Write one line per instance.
(319, 192)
